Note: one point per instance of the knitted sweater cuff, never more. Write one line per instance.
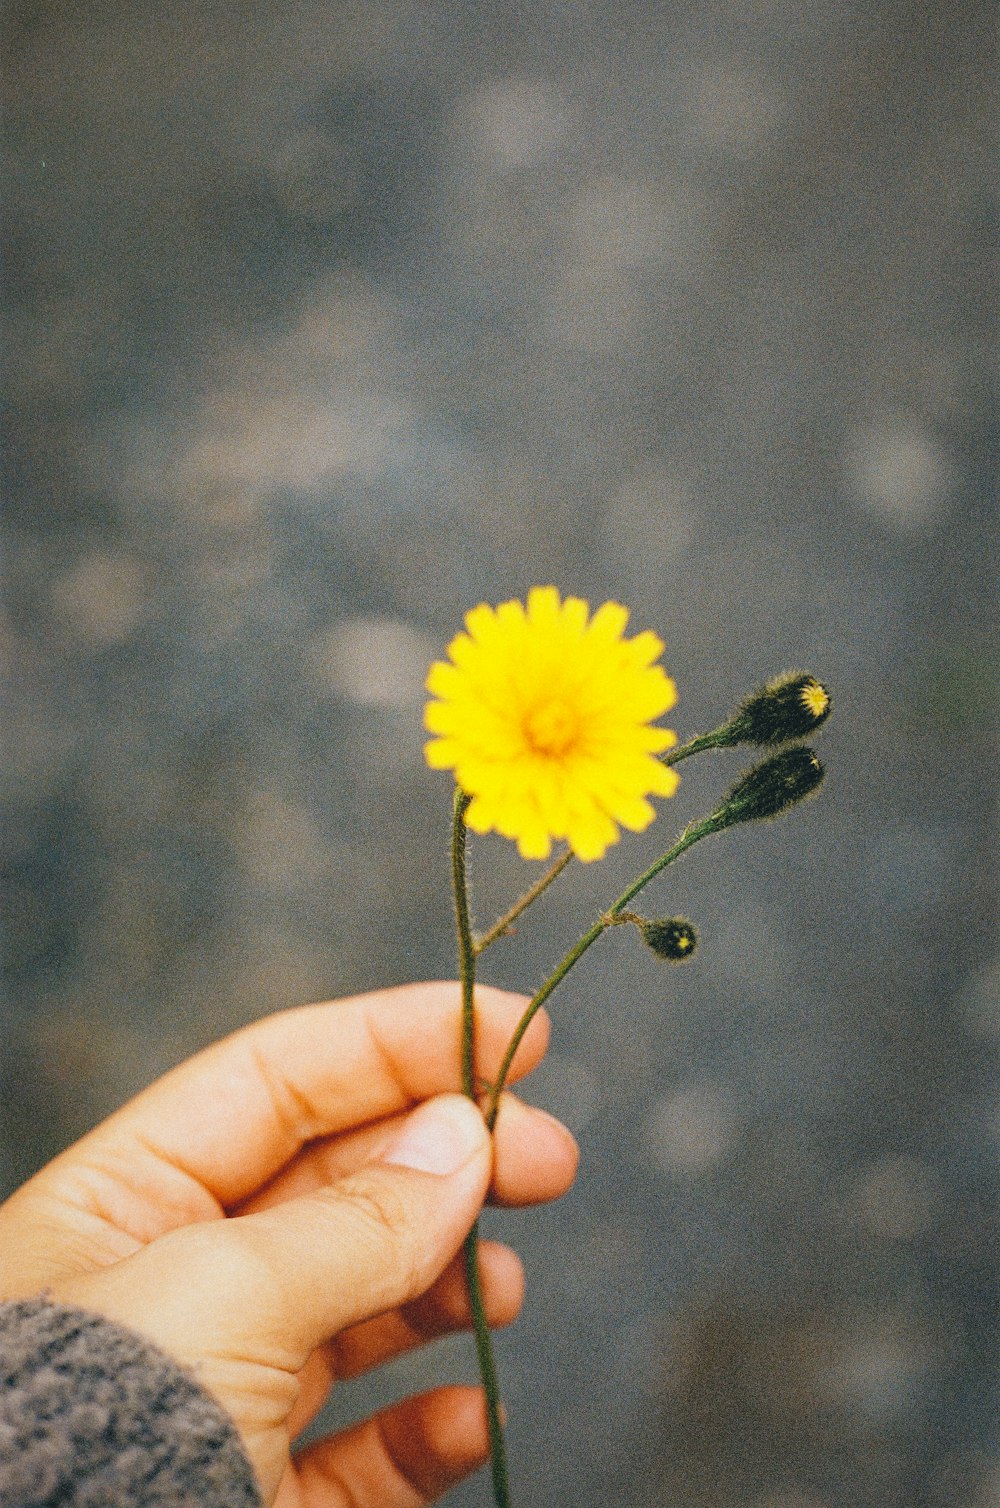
(92, 1414)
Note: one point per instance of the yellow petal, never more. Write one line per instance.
(591, 834)
(440, 753)
(632, 811)
(609, 622)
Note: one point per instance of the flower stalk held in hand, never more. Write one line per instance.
(548, 718)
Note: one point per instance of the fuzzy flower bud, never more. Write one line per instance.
(786, 708)
(770, 787)
(670, 937)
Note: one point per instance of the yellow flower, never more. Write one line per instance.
(545, 718)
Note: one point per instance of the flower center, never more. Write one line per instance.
(551, 728)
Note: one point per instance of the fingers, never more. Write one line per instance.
(228, 1119)
(443, 1309)
(272, 1287)
(535, 1156)
(439, 1311)
(535, 1159)
(402, 1458)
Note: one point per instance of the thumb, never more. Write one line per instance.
(273, 1286)
(380, 1236)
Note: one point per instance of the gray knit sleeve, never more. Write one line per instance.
(94, 1416)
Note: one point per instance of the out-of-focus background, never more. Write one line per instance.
(328, 321)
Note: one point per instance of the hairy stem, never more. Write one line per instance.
(713, 740)
(543, 882)
(487, 1371)
(481, 1330)
(609, 918)
(466, 951)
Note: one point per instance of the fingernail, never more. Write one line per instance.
(438, 1138)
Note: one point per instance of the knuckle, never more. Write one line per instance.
(381, 1208)
(384, 1225)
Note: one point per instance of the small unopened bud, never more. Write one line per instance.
(670, 937)
(787, 708)
(770, 787)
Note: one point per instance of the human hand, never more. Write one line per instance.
(276, 1215)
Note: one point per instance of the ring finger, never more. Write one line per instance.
(443, 1309)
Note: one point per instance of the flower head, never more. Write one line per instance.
(546, 720)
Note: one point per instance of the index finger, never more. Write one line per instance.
(232, 1116)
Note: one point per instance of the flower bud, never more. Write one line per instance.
(770, 787)
(670, 937)
(787, 708)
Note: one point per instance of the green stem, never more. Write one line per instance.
(487, 1371)
(466, 951)
(498, 928)
(691, 834)
(713, 740)
(481, 1330)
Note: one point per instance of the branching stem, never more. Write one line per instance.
(691, 834)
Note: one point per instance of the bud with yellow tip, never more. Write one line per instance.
(670, 937)
(785, 709)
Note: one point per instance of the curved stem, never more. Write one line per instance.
(481, 1330)
(609, 918)
(542, 883)
(555, 978)
(691, 834)
(713, 740)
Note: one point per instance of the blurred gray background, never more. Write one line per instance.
(326, 322)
